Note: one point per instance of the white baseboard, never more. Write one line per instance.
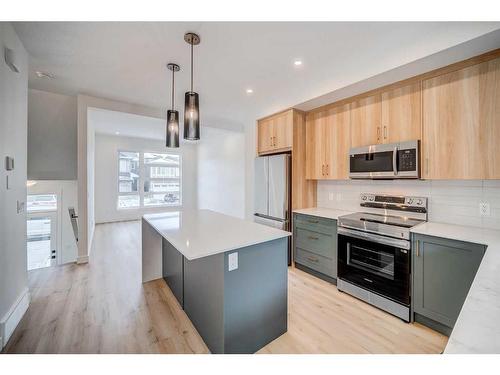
(10, 321)
(82, 259)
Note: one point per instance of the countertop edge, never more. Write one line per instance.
(182, 250)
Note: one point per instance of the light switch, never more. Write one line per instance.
(232, 261)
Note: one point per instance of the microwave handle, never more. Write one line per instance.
(395, 161)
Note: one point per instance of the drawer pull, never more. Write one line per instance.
(312, 259)
(313, 238)
(313, 221)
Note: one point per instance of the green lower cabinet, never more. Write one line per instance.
(443, 271)
(315, 245)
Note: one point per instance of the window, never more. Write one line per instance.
(42, 202)
(159, 173)
(128, 179)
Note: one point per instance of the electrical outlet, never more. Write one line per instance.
(484, 209)
(232, 262)
(330, 196)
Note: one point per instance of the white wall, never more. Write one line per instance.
(221, 171)
(85, 193)
(106, 175)
(250, 155)
(67, 196)
(14, 296)
(52, 140)
(90, 182)
(455, 202)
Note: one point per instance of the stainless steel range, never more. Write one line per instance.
(374, 250)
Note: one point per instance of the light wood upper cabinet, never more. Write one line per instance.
(315, 146)
(265, 136)
(275, 133)
(401, 114)
(461, 117)
(337, 139)
(366, 121)
(327, 143)
(283, 130)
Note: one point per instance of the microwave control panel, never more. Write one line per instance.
(407, 160)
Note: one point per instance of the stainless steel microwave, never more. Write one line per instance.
(387, 161)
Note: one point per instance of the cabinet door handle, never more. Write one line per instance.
(312, 259)
(385, 132)
(427, 167)
(313, 238)
(326, 169)
(417, 250)
(322, 169)
(378, 133)
(313, 221)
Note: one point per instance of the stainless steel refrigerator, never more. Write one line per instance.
(272, 192)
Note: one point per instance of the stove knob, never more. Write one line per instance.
(363, 197)
(420, 202)
(410, 200)
(372, 199)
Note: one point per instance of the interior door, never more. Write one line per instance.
(41, 239)
(261, 199)
(278, 186)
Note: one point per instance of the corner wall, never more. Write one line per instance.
(221, 171)
(86, 194)
(52, 139)
(14, 296)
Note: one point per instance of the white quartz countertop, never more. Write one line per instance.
(200, 233)
(328, 213)
(477, 329)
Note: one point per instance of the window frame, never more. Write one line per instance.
(139, 184)
(142, 179)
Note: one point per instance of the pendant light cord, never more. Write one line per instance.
(191, 65)
(173, 85)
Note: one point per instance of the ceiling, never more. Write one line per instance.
(126, 60)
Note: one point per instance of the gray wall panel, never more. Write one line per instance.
(204, 298)
(255, 296)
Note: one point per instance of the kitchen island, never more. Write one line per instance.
(229, 275)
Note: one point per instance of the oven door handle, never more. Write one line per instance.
(402, 244)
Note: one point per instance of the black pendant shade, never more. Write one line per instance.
(191, 99)
(191, 116)
(172, 128)
(172, 136)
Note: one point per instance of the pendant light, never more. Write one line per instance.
(172, 114)
(191, 99)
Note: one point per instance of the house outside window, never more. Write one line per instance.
(148, 179)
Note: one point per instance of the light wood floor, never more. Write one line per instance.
(102, 307)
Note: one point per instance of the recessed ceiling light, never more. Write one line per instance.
(249, 91)
(41, 74)
(117, 133)
(297, 62)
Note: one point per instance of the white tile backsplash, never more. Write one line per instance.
(454, 202)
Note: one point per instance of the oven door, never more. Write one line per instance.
(377, 161)
(382, 268)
